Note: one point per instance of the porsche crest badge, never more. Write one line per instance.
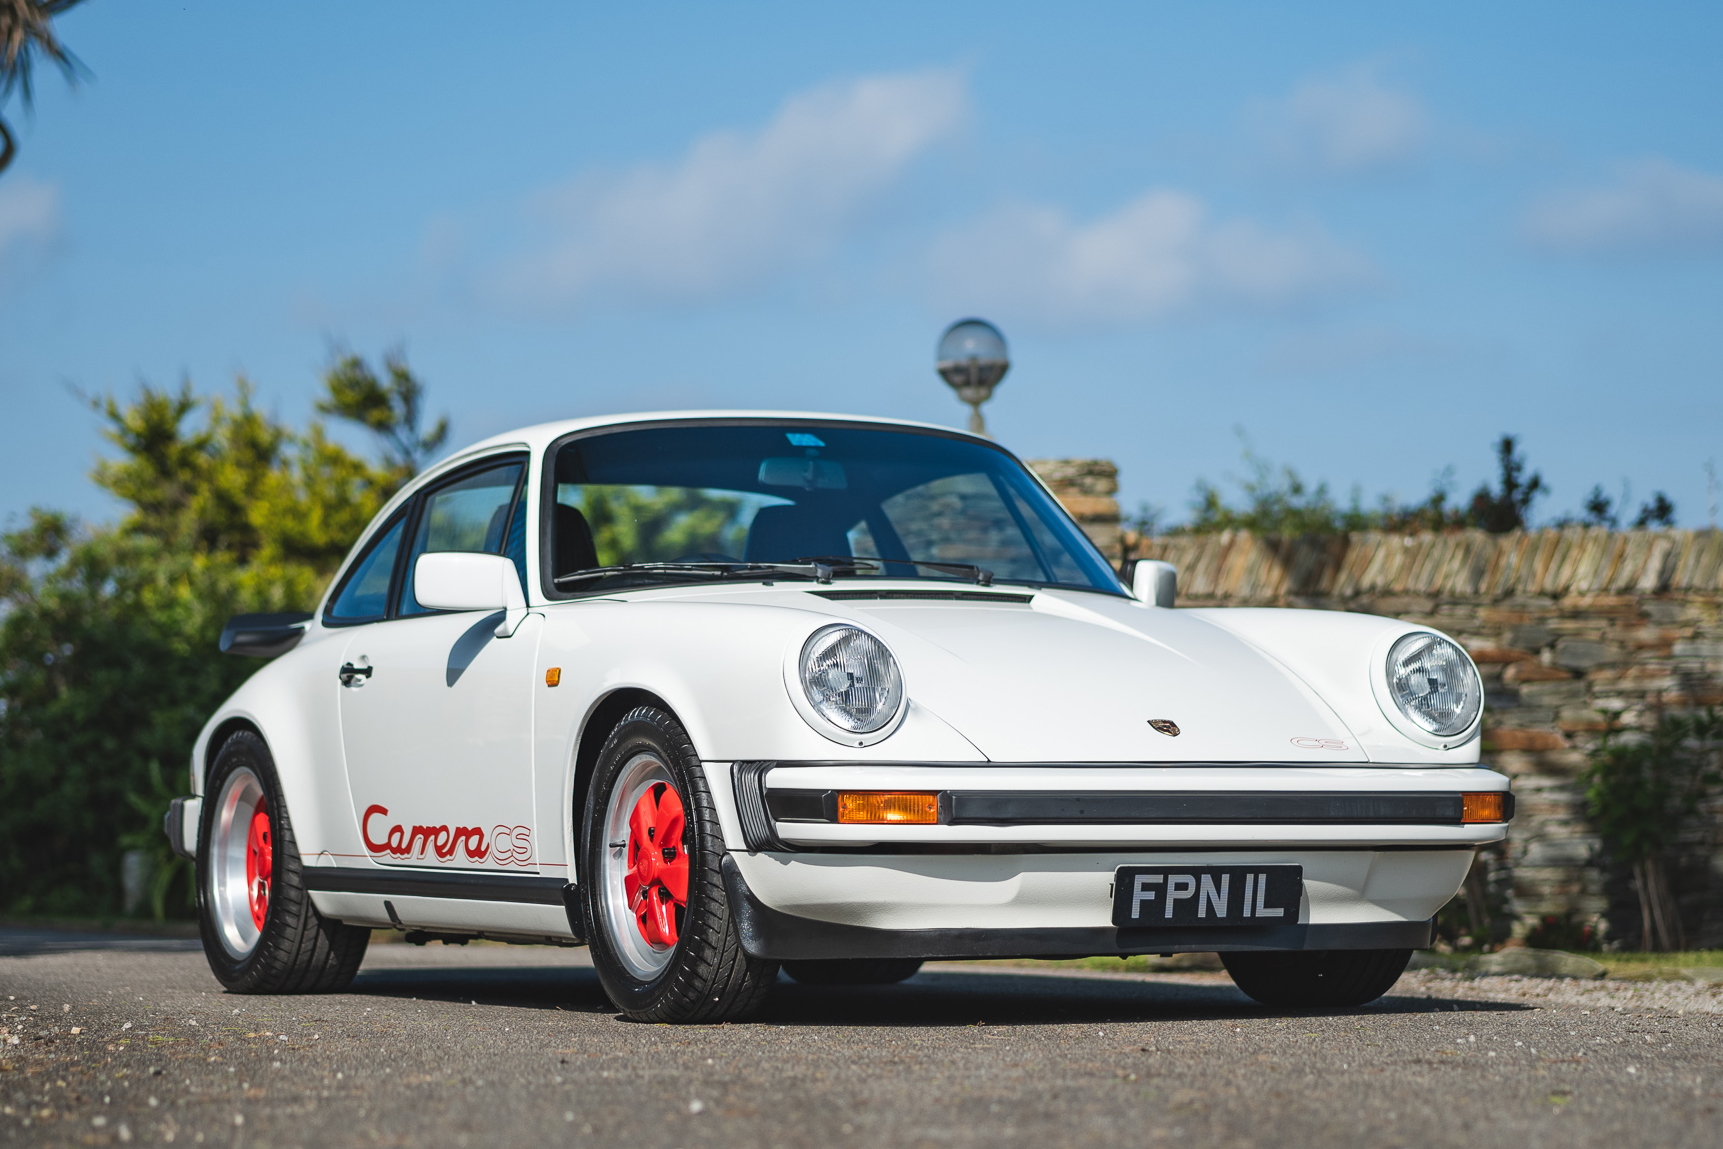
(1166, 726)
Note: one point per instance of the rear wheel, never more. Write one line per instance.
(261, 934)
(1311, 979)
(658, 919)
(853, 971)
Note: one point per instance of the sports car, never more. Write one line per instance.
(719, 694)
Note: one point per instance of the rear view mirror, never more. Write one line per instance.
(1155, 582)
(264, 635)
(458, 580)
(808, 474)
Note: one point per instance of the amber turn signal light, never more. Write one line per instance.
(553, 676)
(1490, 807)
(887, 807)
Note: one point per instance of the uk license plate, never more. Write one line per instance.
(1146, 897)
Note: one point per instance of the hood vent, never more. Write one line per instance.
(922, 596)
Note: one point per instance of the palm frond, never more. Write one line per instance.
(26, 32)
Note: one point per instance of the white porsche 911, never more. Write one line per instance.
(719, 693)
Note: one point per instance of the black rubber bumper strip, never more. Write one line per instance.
(1159, 808)
(777, 936)
(434, 884)
(1283, 808)
(747, 779)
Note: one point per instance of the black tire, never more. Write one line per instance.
(1315, 979)
(706, 976)
(853, 971)
(296, 950)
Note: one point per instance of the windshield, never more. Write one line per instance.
(883, 499)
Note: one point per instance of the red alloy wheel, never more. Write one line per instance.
(258, 864)
(657, 880)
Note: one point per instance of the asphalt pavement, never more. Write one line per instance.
(107, 1040)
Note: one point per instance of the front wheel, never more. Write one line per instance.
(663, 940)
(1316, 979)
(260, 931)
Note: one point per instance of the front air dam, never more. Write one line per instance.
(773, 934)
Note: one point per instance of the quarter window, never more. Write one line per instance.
(365, 594)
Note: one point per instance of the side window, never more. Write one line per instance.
(365, 594)
(470, 514)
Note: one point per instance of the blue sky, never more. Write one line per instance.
(1371, 237)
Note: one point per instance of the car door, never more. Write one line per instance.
(436, 710)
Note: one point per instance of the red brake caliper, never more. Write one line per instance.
(258, 862)
(657, 879)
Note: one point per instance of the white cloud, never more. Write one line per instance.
(29, 220)
(1653, 207)
(739, 207)
(1345, 122)
(1157, 256)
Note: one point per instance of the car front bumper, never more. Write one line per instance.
(775, 934)
(1028, 870)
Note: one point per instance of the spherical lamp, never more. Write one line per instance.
(972, 359)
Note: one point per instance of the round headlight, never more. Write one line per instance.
(1434, 684)
(851, 679)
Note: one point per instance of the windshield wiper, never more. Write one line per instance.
(819, 571)
(982, 576)
(635, 568)
(820, 568)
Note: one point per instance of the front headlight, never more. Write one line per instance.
(1434, 684)
(850, 679)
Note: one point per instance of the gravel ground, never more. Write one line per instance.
(104, 1042)
(1663, 997)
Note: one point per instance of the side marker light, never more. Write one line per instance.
(888, 807)
(553, 676)
(1489, 807)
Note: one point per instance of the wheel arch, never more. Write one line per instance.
(281, 707)
(600, 721)
(218, 737)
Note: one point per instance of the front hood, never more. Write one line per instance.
(1072, 677)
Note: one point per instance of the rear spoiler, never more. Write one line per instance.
(264, 635)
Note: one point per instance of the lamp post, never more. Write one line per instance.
(972, 359)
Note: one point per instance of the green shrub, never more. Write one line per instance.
(1642, 791)
(108, 659)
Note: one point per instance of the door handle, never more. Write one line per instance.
(349, 672)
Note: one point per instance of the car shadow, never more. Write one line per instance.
(933, 997)
(1004, 997)
(523, 987)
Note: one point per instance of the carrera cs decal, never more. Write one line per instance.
(1320, 744)
(505, 846)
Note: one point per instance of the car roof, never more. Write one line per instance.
(541, 435)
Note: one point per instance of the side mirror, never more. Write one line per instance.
(1155, 582)
(458, 580)
(264, 635)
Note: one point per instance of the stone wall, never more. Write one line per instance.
(1576, 631)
